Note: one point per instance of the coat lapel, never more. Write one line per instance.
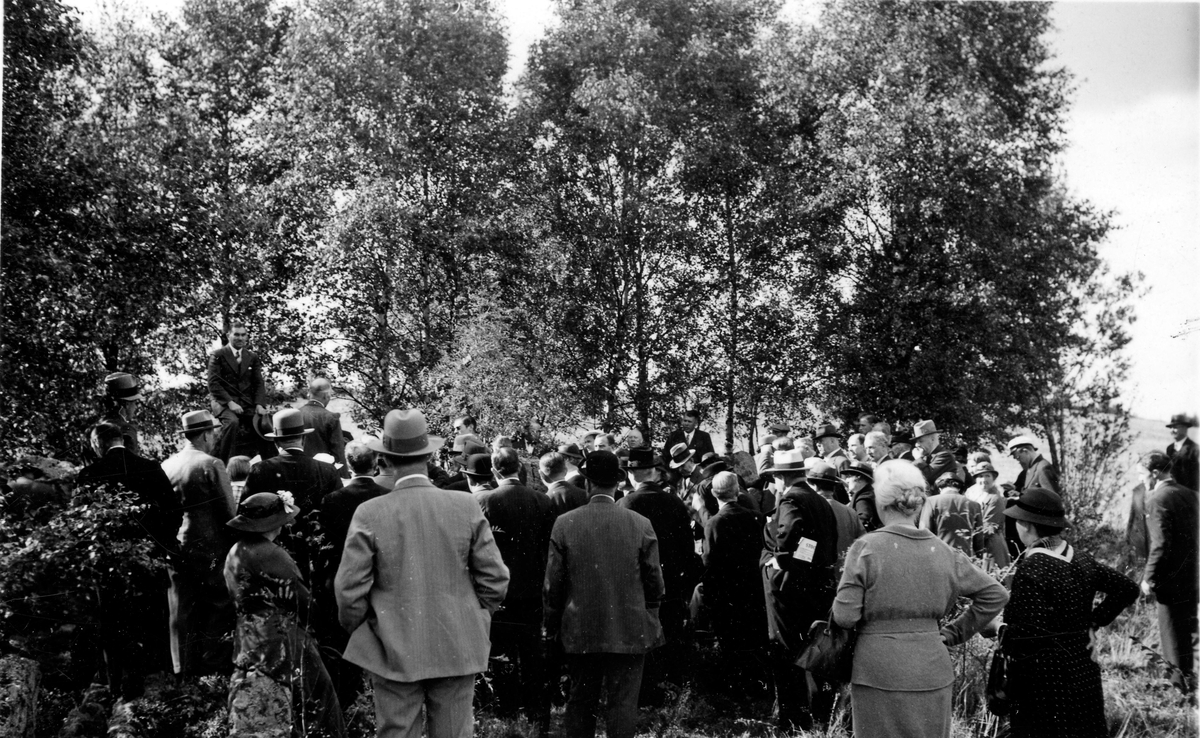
(229, 357)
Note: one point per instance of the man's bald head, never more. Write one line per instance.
(321, 390)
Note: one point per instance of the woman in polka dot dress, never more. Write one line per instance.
(1054, 679)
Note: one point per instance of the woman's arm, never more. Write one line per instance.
(987, 596)
(1119, 593)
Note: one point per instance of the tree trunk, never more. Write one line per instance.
(19, 678)
(731, 359)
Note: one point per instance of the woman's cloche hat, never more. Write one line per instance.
(262, 512)
(1037, 505)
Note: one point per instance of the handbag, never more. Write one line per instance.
(828, 653)
(999, 699)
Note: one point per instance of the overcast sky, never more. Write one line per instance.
(1133, 134)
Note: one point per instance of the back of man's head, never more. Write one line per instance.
(784, 443)
(552, 467)
(642, 476)
(506, 462)
(320, 389)
(360, 457)
(106, 436)
(725, 486)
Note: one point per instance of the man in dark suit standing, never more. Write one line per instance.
(603, 560)
(235, 384)
(564, 496)
(326, 437)
(797, 560)
(936, 459)
(520, 520)
(134, 635)
(1172, 520)
(307, 479)
(689, 434)
(1184, 455)
(730, 591)
(676, 552)
(336, 511)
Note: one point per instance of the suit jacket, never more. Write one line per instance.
(306, 478)
(227, 382)
(1185, 463)
(672, 524)
(1172, 522)
(419, 580)
(732, 542)
(864, 506)
(521, 520)
(603, 581)
(326, 437)
(849, 527)
(150, 484)
(206, 496)
(936, 463)
(802, 515)
(955, 519)
(1041, 473)
(336, 510)
(701, 443)
(838, 459)
(565, 497)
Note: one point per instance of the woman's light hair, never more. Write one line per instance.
(899, 485)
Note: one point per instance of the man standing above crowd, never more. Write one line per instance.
(326, 437)
(1035, 470)
(235, 383)
(419, 579)
(520, 520)
(603, 585)
(123, 396)
(689, 434)
(201, 611)
(1183, 453)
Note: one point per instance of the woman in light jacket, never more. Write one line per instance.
(898, 583)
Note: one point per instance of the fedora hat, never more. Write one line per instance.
(859, 469)
(1037, 505)
(1182, 419)
(478, 465)
(901, 436)
(262, 512)
(643, 458)
(405, 433)
(779, 428)
(923, 428)
(787, 461)
(261, 425)
(198, 420)
(571, 451)
(826, 430)
(602, 468)
(713, 468)
(287, 423)
(122, 386)
(1020, 441)
(819, 471)
(590, 435)
(680, 453)
(465, 440)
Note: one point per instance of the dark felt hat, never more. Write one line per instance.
(602, 468)
(1037, 505)
(478, 465)
(405, 433)
(713, 468)
(571, 451)
(1182, 419)
(642, 458)
(123, 386)
(902, 435)
(826, 430)
(821, 472)
(862, 469)
(287, 423)
(262, 512)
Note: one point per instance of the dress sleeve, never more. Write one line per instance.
(1119, 593)
(987, 597)
(848, 605)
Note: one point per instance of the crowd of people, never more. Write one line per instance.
(334, 560)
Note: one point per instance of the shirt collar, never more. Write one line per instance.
(417, 475)
(602, 498)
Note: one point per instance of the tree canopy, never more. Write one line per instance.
(679, 204)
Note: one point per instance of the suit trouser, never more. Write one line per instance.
(1177, 628)
(517, 634)
(447, 701)
(202, 617)
(622, 674)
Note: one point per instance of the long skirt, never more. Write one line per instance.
(880, 713)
